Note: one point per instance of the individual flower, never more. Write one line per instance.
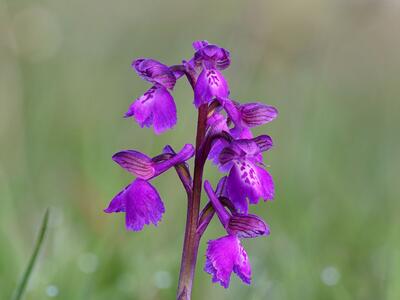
(242, 116)
(210, 83)
(156, 106)
(247, 179)
(226, 254)
(140, 200)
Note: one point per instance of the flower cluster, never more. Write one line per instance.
(225, 139)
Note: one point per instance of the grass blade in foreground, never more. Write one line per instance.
(24, 280)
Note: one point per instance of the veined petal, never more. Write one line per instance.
(155, 72)
(256, 114)
(247, 226)
(135, 162)
(210, 84)
(264, 142)
(155, 107)
(144, 167)
(224, 256)
(141, 203)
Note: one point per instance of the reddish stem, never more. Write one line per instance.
(192, 238)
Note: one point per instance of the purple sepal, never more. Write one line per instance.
(247, 226)
(256, 114)
(197, 45)
(141, 203)
(210, 84)
(135, 162)
(213, 56)
(155, 107)
(225, 255)
(146, 168)
(155, 72)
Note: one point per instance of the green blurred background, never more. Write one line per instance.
(331, 67)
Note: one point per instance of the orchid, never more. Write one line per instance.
(224, 136)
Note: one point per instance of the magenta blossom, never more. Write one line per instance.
(247, 178)
(156, 106)
(226, 254)
(140, 200)
(210, 83)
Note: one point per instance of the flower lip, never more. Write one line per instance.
(224, 256)
(141, 203)
(155, 107)
(155, 72)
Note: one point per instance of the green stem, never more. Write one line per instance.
(28, 271)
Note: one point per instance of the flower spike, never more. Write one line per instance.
(224, 135)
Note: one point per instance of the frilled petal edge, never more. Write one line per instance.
(141, 203)
(225, 255)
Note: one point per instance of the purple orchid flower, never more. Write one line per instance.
(210, 83)
(140, 200)
(247, 179)
(226, 254)
(156, 106)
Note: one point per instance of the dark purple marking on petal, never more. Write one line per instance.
(264, 142)
(155, 107)
(135, 163)
(247, 226)
(155, 72)
(210, 84)
(256, 114)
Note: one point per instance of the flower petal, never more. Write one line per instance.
(155, 72)
(210, 84)
(225, 255)
(135, 162)
(267, 183)
(247, 226)
(255, 114)
(264, 142)
(155, 107)
(246, 181)
(118, 203)
(213, 56)
(143, 205)
(197, 45)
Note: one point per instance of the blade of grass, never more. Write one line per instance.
(28, 271)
